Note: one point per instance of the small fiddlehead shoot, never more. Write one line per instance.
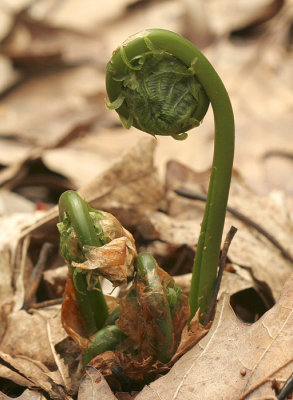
(153, 300)
(160, 83)
(77, 230)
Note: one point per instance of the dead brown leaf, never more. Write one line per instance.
(234, 360)
(29, 353)
(249, 247)
(95, 152)
(8, 76)
(35, 45)
(26, 395)
(44, 109)
(80, 17)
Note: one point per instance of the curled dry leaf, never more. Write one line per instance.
(113, 261)
(234, 360)
(16, 267)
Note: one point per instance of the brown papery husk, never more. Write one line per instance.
(114, 260)
(138, 372)
(141, 371)
(141, 310)
(72, 319)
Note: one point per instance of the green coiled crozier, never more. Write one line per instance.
(161, 83)
(155, 91)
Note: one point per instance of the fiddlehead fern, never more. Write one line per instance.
(95, 244)
(154, 304)
(161, 83)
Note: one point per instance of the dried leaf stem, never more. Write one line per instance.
(212, 305)
(264, 380)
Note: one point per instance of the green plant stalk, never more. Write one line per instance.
(107, 338)
(208, 248)
(91, 302)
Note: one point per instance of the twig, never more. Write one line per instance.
(263, 381)
(46, 303)
(37, 274)
(262, 288)
(222, 264)
(286, 389)
(189, 194)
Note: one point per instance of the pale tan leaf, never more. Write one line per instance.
(8, 76)
(43, 111)
(166, 15)
(13, 203)
(81, 17)
(226, 16)
(96, 152)
(94, 386)
(130, 187)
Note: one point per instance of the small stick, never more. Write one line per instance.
(46, 303)
(262, 288)
(36, 276)
(222, 265)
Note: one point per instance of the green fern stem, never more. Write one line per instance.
(124, 71)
